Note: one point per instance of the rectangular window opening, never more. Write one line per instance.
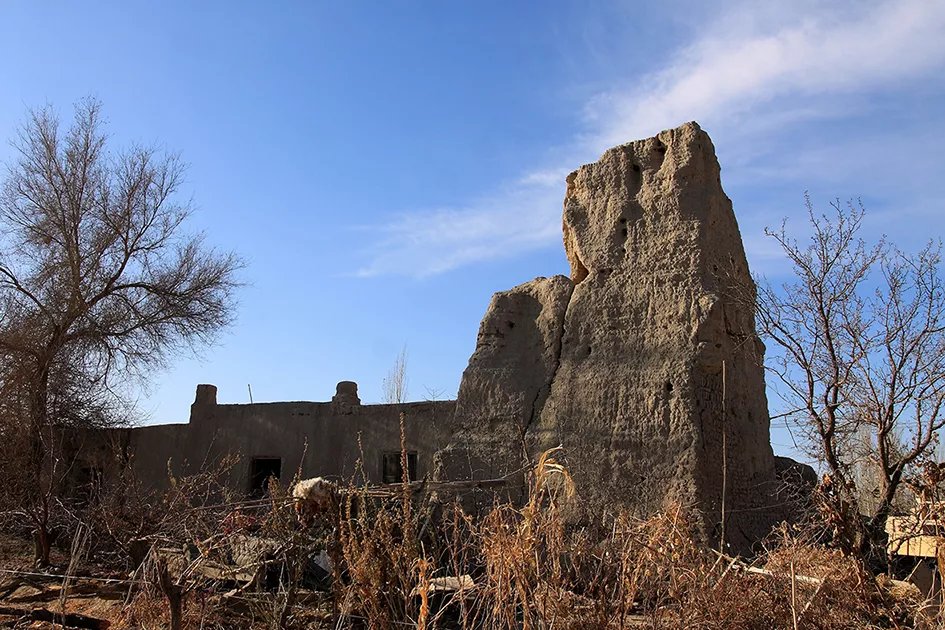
(261, 469)
(392, 470)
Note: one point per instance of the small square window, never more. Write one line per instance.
(392, 471)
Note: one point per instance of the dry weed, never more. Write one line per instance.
(400, 559)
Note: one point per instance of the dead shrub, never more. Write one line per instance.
(400, 556)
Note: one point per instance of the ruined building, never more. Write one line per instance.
(644, 365)
(281, 438)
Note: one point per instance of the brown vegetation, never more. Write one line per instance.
(406, 555)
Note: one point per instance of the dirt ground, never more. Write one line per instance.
(97, 599)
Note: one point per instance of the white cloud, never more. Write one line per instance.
(426, 243)
(725, 75)
(544, 177)
(753, 71)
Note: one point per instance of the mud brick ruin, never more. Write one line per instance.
(644, 365)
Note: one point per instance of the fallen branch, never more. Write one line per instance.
(70, 620)
(743, 566)
(800, 578)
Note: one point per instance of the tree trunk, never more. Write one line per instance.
(41, 546)
(39, 490)
(39, 416)
(175, 605)
(173, 593)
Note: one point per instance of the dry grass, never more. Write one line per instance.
(529, 567)
(533, 570)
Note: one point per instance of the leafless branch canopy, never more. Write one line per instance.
(98, 280)
(99, 283)
(859, 351)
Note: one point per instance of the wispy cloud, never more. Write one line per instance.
(427, 243)
(727, 74)
(750, 75)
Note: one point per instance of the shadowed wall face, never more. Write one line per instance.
(317, 438)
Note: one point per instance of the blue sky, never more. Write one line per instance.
(385, 167)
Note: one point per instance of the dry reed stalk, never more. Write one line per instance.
(530, 566)
(423, 575)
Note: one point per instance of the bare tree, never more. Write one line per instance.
(98, 281)
(395, 383)
(859, 338)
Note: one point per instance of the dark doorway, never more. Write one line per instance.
(88, 483)
(260, 470)
(392, 470)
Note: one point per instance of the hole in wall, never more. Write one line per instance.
(578, 270)
(510, 324)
